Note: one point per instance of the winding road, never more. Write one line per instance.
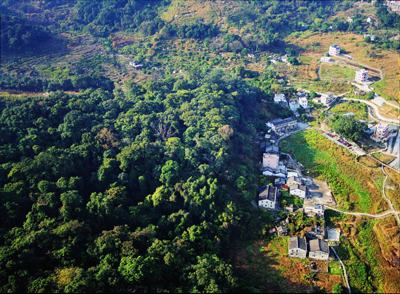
(379, 116)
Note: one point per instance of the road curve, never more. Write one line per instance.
(395, 121)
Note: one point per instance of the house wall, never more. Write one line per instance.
(297, 252)
(298, 193)
(320, 255)
(267, 204)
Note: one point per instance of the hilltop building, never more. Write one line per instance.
(280, 99)
(361, 76)
(334, 50)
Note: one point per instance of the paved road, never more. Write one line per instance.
(346, 280)
(386, 213)
(387, 199)
(380, 117)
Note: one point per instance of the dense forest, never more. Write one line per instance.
(113, 191)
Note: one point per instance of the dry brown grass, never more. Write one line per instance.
(385, 60)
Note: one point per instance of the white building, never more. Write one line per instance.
(361, 76)
(327, 98)
(280, 98)
(334, 50)
(381, 131)
(303, 102)
(297, 247)
(298, 190)
(268, 197)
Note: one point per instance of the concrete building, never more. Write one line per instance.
(361, 76)
(372, 37)
(292, 180)
(319, 249)
(311, 207)
(327, 98)
(269, 197)
(281, 125)
(381, 131)
(334, 50)
(297, 247)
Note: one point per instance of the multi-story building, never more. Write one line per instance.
(294, 105)
(327, 98)
(334, 50)
(303, 102)
(361, 75)
(271, 160)
(381, 131)
(280, 99)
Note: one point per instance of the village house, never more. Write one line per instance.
(326, 59)
(313, 208)
(297, 247)
(334, 50)
(370, 20)
(350, 19)
(273, 149)
(269, 197)
(280, 99)
(298, 190)
(327, 98)
(292, 180)
(361, 76)
(271, 160)
(294, 105)
(303, 102)
(381, 132)
(372, 37)
(333, 234)
(316, 233)
(319, 249)
(281, 125)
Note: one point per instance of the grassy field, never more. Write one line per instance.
(352, 184)
(359, 109)
(322, 87)
(334, 72)
(384, 157)
(317, 44)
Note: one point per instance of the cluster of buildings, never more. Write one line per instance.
(393, 5)
(314, 249)
(295, 103)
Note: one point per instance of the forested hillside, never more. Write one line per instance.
(127, 153)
